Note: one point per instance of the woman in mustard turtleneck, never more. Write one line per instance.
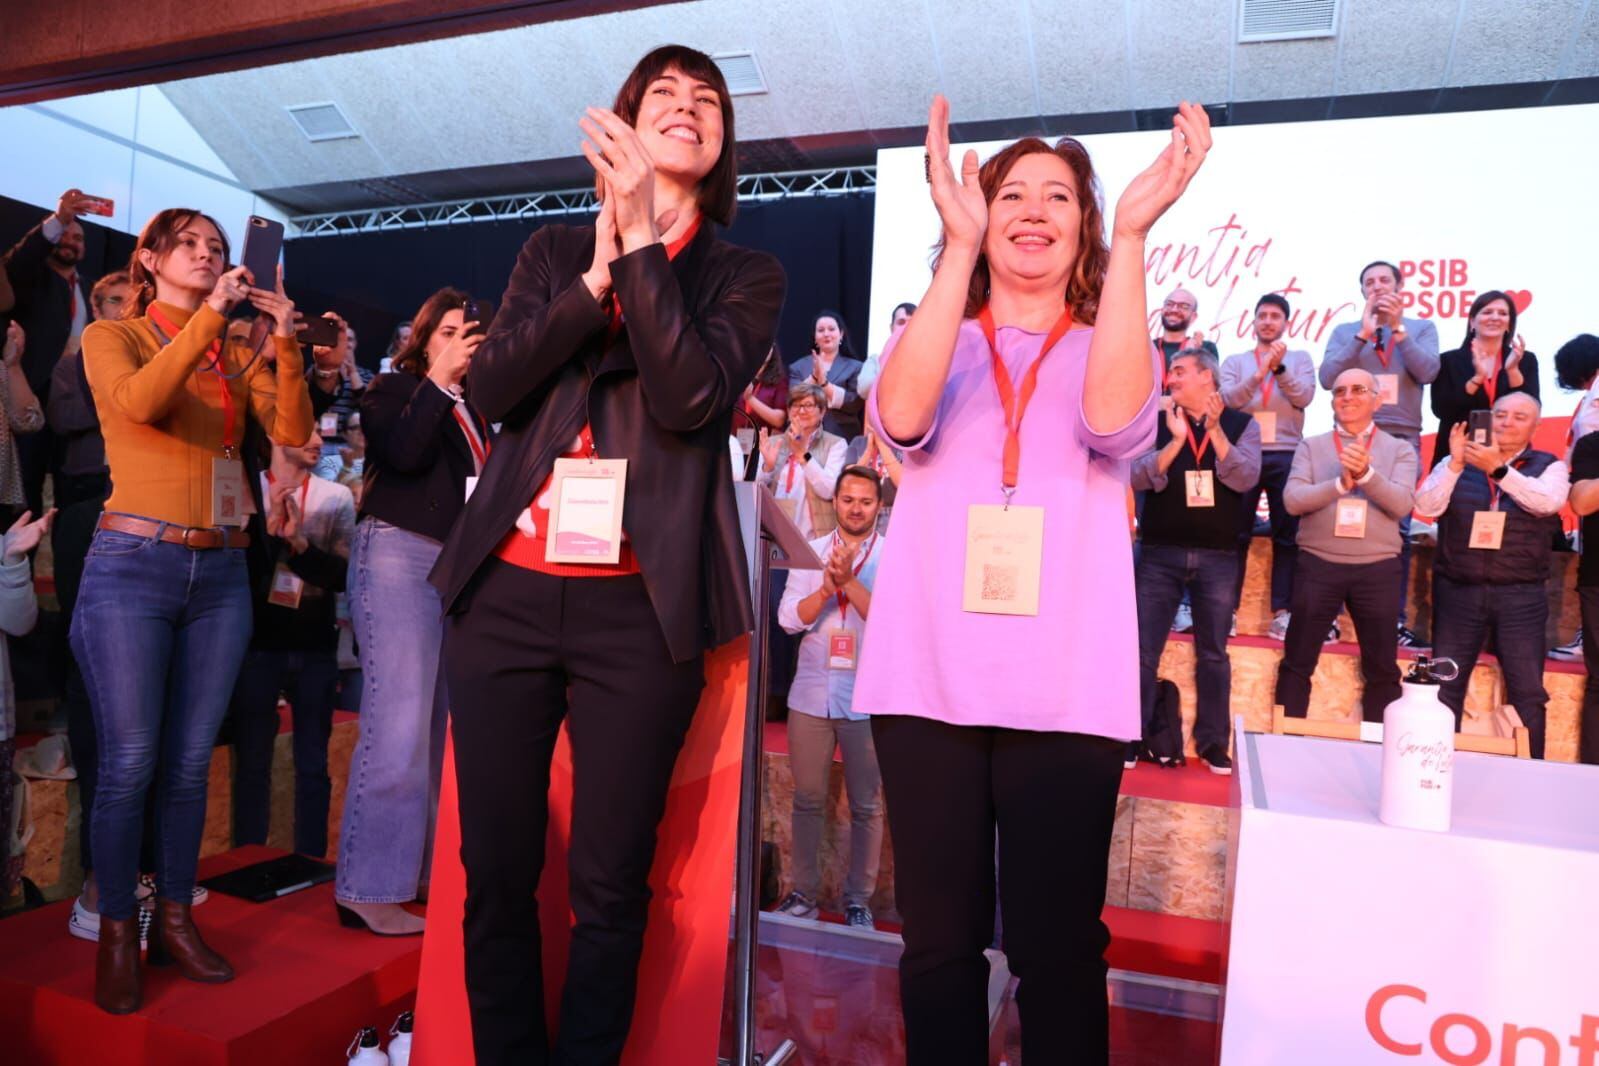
(164, 612)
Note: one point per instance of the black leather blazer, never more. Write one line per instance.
(417, 457)
(659, 394)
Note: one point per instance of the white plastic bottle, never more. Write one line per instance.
(1418, 750)
(364, 1049)
(400, 1040)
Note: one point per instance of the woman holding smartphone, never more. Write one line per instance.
(615, 361)
(163, 613)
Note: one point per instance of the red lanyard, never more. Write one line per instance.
(305, 488)
(1266, 382)
(843, 600)
(1490, 384)
(1013, 405)
(164, 332)
(1200, 448)
(474, 440)
(794, 463)
(1338, 441)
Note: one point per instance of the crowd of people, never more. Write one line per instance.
(240, 520)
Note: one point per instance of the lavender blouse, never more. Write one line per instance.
(1074, 666)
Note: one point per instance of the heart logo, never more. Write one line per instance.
(1522, 298)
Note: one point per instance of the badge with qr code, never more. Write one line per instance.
(1004, 559)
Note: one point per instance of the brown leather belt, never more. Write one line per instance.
(200, 538)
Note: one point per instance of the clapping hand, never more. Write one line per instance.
(1176, 420)
(962, 207)
(1275, 354)
(771, 445)
(1152, 192)
(16, 341)
(618, 156)
(1356, 459)
(25, 534)
(1214, 406)
(606, 249)
(1518, 348)
(1457, 447)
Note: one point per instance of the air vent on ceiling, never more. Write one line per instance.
(322, 122)
(1286, 20)
(742, 71)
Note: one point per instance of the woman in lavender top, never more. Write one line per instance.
(1014, 722)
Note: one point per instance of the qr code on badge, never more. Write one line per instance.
(999, 582)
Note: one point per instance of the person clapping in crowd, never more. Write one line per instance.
(425, 444)
(163, 615)
(832, 367)
(1206, 455)
(1491, 362)
(347, 463)
(1498, 509)
(1351, 488)
(830, 607)
(1273, 385)
(1577, 369)
(802, 464)
(19, 610)
(1177, 316)
(20, 415)
(299, 554)
(1401, 354)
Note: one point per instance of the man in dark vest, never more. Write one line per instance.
(1205, 456)
(1498, 510)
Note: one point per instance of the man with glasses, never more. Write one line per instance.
(1350, 489)
(1177, 316)
(1402, 354)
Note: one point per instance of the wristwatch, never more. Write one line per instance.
(807, 457)
(1499, 471)
(1278, 369)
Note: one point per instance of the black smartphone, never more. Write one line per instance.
(321, 332)
(473, 311)
(263, 244)
(1480, 427)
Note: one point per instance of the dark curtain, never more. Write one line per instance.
(104, 250)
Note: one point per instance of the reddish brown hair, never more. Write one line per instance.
(718, 191)
(1087, 276)
(160, 235)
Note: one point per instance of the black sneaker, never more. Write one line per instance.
(859, 917)
(1130, 758)
(1409, 639)
(798, 905)
(1217, 760)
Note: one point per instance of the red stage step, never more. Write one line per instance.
(305, 985)
(1165, 945)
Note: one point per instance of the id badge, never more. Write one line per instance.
(1201, 486)
(287, 588)
(1488, 530)
(1267, 420)
(840, 649)
(1388, 387)
(1004, 559)
(231, 503)
(329, 426)
(471, 486)
(586, 511)
(1350, 520)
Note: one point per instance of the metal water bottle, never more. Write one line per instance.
(1418, 750)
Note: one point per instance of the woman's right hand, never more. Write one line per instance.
(1177, 422)
(962, 207)
(606, 248)
(771, 445)
(229, 290)
(447, 370)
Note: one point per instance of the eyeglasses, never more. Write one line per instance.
(1351, 390)
(1176, 305)
(806, 406)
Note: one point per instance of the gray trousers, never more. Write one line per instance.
(811, 741)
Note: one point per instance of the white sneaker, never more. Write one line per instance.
(798, 905)
(1278, 630)
(1184, 622)
(1568, 653)
(1232, 630)
(364, 1049)
(85, 924)
(400, 1040)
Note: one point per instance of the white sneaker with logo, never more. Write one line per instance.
(1278, 630)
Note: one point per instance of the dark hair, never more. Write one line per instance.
(412, 359)
(1577, 361)
(844, 347)
(718, 191)
(110, 281)
(1093, 254)
(908, 308)
(160, 236)
(1399, 279)
(865, 473)
(1275, 300)
(1483, 301)
(774, 371)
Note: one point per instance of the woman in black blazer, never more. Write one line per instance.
(425, 448)
(1491, 362)
(632, 340)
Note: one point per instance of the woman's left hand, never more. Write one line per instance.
(1517, 349)
(618, 156)
(275, 305)
(1154, 191)
(25, 534)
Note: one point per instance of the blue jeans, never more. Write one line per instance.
(1274, 468)
(1207, 576)
(310, 678)
(393, 790)
(159, 632)
(1515, 617)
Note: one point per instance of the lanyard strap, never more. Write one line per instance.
(1490, 384)
(843, 600)
(1338, 441)
(1014, 405)
(1385, 353)
(474, 440)
(164, 330)
(793, 464)
(305, 489)
(1200, 448)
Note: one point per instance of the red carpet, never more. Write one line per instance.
(305, 984)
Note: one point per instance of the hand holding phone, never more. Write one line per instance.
(1480, 427)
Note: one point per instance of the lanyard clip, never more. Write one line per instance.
(229, 452)
(1008, 491)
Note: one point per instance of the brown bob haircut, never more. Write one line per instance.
(718, 190)
(160, 235)
(412, 359)
(1087, 277)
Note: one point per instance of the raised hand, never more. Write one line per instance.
(1176, 421)
(1152, 192)
(1214, 406)
(1457, 447)
(614, 150)
(771, 446)
(16, 341)
(1518, 348)
(962, 207)
(450, 366)
(1484, 457)
(25, 534)
(606, 249)
(229, 290)
(70, 206)
(1275, 354)
(275, 304)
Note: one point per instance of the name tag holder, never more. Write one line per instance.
(1200, 488)
(840, 649)
(1267, 421)
(586, 498)
(231, 502)
(287, 588)
(1350, 517)
(1388, 388)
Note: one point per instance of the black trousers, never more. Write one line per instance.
(1052, 799)
(1321, 588)
(529, 651)
(1588, 735)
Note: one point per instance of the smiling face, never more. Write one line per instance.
(805, 413)
(856, 503)
(1269, 323)
(69, 249)
(195, 261)
(1355, 398)
(1189, 382)
(1034, 222)
(1492, 320)
(828, 336)
(1515, 421)
(680, 122)
(1178, 311)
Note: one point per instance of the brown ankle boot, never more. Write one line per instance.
(118, 984)
(174, 939)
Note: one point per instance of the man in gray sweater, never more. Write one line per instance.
(1350, 489)
(1402, 353)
